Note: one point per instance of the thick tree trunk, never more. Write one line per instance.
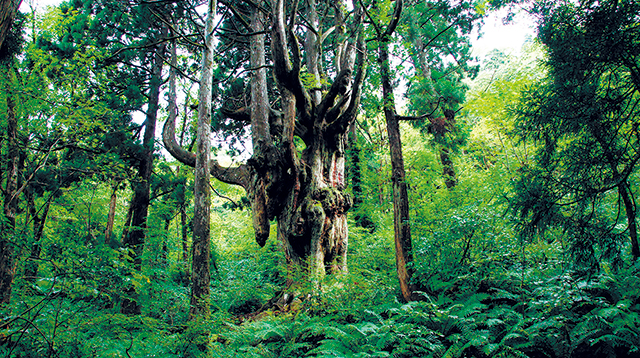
(200, 271)
(312, 224)
(140, 202)
(8, 10)
(7, 258)
(401, 222)
(311, 212)
(263, 149)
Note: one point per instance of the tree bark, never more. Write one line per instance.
(401, 222)
(312, 211)
(8, 10)
(200, 271)
(127, 222)
(448, 171)
(7, 236)
(624, 190)
(362, 219)
(140, 201)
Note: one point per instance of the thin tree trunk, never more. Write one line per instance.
(311, 51)
(176, 150)
(401, 222)
(127, 221)
(448, 170)
(623, 190)
(165, 249)
(7, 258)
(200, 271)
(361, 217)
(140, 202)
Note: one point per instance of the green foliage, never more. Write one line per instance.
(487, 290)
(581, 118)
(560, 317)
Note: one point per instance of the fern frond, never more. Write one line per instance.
(514, 339)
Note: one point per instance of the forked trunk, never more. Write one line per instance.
(311, 212)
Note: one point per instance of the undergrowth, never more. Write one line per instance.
(502, 305)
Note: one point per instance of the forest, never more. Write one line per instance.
(318, 178)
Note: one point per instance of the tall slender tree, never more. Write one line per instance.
(10, 204)
(200, 271)
(437, 40)
(12, 167)
(401, 222)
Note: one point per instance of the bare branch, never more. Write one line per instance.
(224, 197)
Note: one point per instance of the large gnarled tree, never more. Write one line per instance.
(298, 128)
